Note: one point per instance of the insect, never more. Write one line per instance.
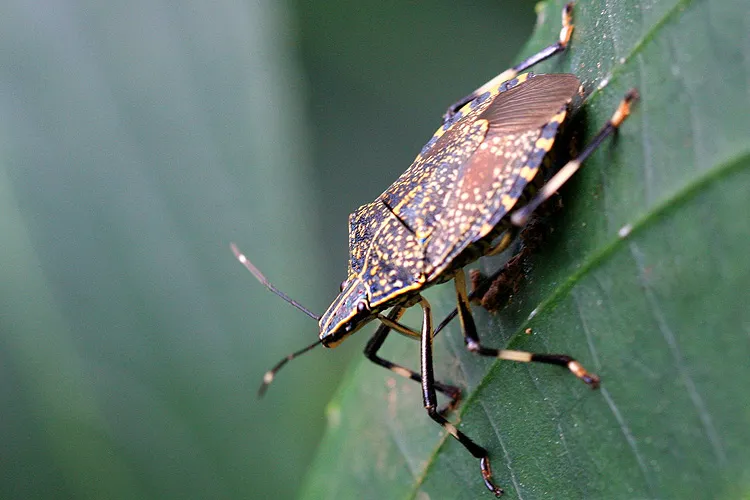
(467, 194)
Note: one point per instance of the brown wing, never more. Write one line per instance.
(522, 124)
(386, 237)
(419, 193)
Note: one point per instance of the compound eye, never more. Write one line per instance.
(343, 285)
(361, 306)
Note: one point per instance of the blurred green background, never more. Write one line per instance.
(137, 141)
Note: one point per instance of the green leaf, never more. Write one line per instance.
(645, 280)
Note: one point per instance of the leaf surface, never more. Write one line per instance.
(644, 280)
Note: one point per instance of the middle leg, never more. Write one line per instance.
(429, 398)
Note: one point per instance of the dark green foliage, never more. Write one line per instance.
(644, 280)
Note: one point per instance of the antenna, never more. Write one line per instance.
(259, 276)
(270, 374)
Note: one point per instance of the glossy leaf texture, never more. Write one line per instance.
(644, 279)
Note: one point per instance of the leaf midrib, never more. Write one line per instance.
(678, 197)
(688, 192)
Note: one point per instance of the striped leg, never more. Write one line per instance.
(504, 242)
(509, 74)
(521, 216)
(376, 342)
(430, 401)
(472, 341)
(481, 288)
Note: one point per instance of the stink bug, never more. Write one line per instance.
(467, 194)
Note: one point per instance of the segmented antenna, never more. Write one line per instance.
(264, 281)
(270, 374)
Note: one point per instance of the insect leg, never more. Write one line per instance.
(544, 54)
(503, 243)
(472, 341)
(500, 291)
(430, 401)
(478, 292)
(521, 216)
(376, 342)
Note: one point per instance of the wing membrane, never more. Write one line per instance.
(521, 128)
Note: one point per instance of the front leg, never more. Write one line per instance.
(521, 217)
(376, 342)
(429, 398)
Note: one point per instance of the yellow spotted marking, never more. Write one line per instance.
(439, 133)
(528, 173)
(559, 117)
(385, 297)
(545, 144)
(503, 77)
(403, 249)
(423, 235)
(522, 78)
(496, 88)
(486, 228)
(493, 86)
(508, 202)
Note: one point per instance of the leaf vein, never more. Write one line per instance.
(740, 161)
(587, 333)
(678, 8)
(506, 454)
(687, 192)
(679, 359)
(648, 167)
(632, 443)
(392, 433)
